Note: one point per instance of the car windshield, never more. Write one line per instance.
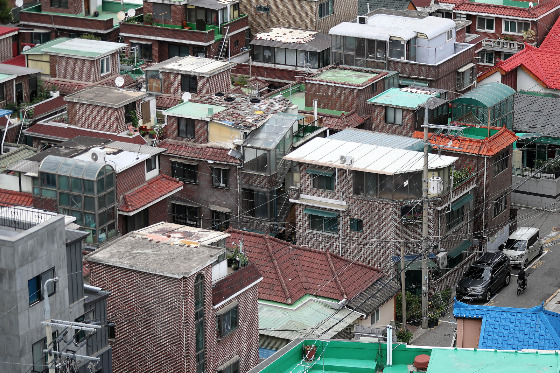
(478, 273)
(516, 245)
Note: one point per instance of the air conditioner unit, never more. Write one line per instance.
(441, 260)
(362, 20)
(346, 159)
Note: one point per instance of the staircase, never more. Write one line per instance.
(223, 47)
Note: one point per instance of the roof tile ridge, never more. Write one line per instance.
(278, 271)
(335, 275)
(555, 333)
(360, 264)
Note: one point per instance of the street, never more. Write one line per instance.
(543, 280)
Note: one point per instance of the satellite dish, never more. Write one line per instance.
(94, 157)
(119, 81)
(26, 48)
(131, 12)
(120, 15)
(186, 97)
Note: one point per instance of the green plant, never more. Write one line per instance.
(148, 18)
(134, 118)
(238, 258)
(404, 335)
(461, 175)
(438, 304)
(90, 37)
(5, 12)
(529, 35)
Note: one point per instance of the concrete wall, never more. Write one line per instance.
(540, 193)
(386, 315)
(12, 182)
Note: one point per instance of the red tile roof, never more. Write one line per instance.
(7, 30)
(486, 147)
(167, 101)
(234, 283)
(149, 192)
(503, 10)
(69, 132)
(336, 122)
(198, 151)
(290, 271)
(552, 40)
(12, 198)
(17, 60)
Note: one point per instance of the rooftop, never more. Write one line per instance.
(198, 66)
(365, 157)
(194, 110)
(78, 47)
(410, 98)
(151, 192)
(234, 283)
(14, 153)
(289, 38)
(105, 96)
(486, 95)
(13, 70)
(271, 132)
(165, 249)
(378, 138)
(4, 30)
(13, 198)
(507, 8)
(109, 10)
(340, 75)
(529, 114)
(63, 131)
(206, 152)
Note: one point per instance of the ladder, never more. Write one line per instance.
(224, 44)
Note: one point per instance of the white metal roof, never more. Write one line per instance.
(197, 66)
(384, 26)
(118, 158)
(365, 157)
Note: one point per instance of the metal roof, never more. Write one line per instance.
(17, 153)
(486, 95)
(17, 70)
(279, 37)
(84, 48)
(529, 114)
(365, 157)
(379, 138)
(271, 132)
(194, 110)
(410, 98)
(105, 96)
(74, 167)
(199, 66)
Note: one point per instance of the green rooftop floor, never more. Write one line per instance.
(477, 133)
(345, 76)
(513, 3)
(109, 10)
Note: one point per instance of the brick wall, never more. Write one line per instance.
(268, 73)
(378, 122)
(101, 118)
(157, 212)
(6, 50)
(81, 69)
(78, 24)
(341, 98)
(200, 131)
(74, 7)
(220, 82)
(45, 203)
(130, 178)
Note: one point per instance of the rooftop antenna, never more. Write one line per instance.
(131, 12)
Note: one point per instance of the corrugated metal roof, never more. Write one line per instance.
(379, 139)
(316, 43)
(194, 110)
(366, 157)
(410, 98)
(14, 156)
(76, 47)
(487, 95)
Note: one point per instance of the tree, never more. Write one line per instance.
(5, 12)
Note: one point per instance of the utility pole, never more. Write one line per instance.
(50, 362)
(425, 225)
(403, 290)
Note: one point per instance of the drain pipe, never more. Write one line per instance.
(315, 109)
(50, 362)
(389, 345)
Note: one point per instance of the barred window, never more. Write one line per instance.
(500, 205)
(501, 162)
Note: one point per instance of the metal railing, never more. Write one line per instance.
(20, 217)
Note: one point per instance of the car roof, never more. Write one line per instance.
(489, 258)
(523, 233)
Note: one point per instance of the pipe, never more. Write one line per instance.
(50, 362)
(315, 109)
(389, 345)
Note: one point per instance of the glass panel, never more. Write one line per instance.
(89, 220)
(111, 232)
(89, 204)
(91, 171)
(64, 199)
(102, 235)
(291, 57)
(48, 180)
(101, 202)
(79, 217)
(110, 214)
(258, 53)
(100, 186)
(63, 183)
(76, 185)
(76, 201)
(102, 217)
(88, 187)
(48, 193)
(78, 169)
(110, 198)
(313, 60)
(109, 181)
(280, 56)
(50, 164)
(301, 58)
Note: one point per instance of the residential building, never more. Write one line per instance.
(359, 196)
(9, 43)
(38, 246)
(49, 20)
(79, 60)
(177, 276)
(17, 84)
(214, 29)
(423, 49)
(401, 111)
(367, 6)
(484, 327)
(359, 294)
(193, 75)
(506, 25)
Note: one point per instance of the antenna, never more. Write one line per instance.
(131, 12)
(120, 16)
(119, 81)
(186, 97)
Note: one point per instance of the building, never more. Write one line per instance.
(423, 49)
(359, 197)
(9, 43)
(177, 276)
(72, 18)
(214, 29)
(17, 85)
(359, 294)
(38, 246)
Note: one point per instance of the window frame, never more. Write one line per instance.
(501, 163)
(105, 65)
(326, 224)
(162, 11)
(189, 212)
(186, 126)
(500, 205)
(220, 177)
(486, 20)
(455, 218)
(506, 24)
(220, 220)
(323, 182)
(394, 111)
(189, 83)
(40, 280)
(356, 225)
(325, 8)
(62, 4)
(484, 60)
(188, 170)
(151, 163)
(230, 319)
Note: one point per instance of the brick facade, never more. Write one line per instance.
(342, 98)
(378, 123)
(75, 7)
(221, 82)
(130, 178)
(200, 131)
(82, 70)
(100, 118)
(6, 48)
(8, 87)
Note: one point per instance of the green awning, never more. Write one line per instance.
(319, 172)
(453, 253)
(326, 214)
(412, 82)
(461, 202)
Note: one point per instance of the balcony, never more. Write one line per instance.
(501, 45)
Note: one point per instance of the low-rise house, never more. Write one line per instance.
(358, 294)
(187, 300)
(421, 48)
(18, 84)
(9, 43)
(214, 29)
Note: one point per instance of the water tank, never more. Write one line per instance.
(435, 185)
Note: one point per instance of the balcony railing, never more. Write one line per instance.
(502, 45)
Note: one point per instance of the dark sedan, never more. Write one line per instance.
(487, 274)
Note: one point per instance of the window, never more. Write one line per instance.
(375, 317)
(220, 177)
(326, 8)
(232, 368)
(227, 322)
(254, 203)
(199, 323)
(36, 285)
(321, 179)
(393, 115)
(188, 83)
(48, 180)
(162, 11)
(130, 112)
(142, 50)
(186, 215)
(465, 77)
(59, 4)
(105, 65)
(486, 57)
(39, 357)
(234, 11)
(322, 223)
(263, 9)
(449, 35)
(42, 37)
(500, 205)
(502, 161)
(220, 220)
(175, 50)
(485, 24)
(356, 225)
(185, 172)
(186, 128)
(516, 27)
(32, 88)
(365, 184)
(455, 217)
(460, 16)
(87, 318)
(151, 164)
(411, 212)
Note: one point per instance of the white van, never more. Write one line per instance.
(523, 245)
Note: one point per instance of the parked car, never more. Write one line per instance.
(523, 245)
(484, 277)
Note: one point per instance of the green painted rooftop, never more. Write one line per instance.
(76, 47)
(476, 133)
(194, 110)
(344, 76)
(486, 95)
(109, 10)
(513, 3)
(401, 97)
(296, 95)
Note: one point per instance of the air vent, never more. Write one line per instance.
(362, 20)
(229, 99)
(220, 94)
(255, 100)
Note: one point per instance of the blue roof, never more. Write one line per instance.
(507, 328)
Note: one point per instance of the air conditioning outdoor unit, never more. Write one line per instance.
(346, 159)
(441, 260)
(362, 20)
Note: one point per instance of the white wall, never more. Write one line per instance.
(386, 315)
(219, 270)
(526, 83)
(499, 238)
(496, 77)
(11, 182)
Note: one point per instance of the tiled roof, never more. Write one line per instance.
(486, 147)
(544, 64)
(64, 87)
(503, 10)
(7, 30)
(12, 198)
(336, 122)
(151, 191)
(62, 132)
(15, 155)
(528, 116)
(234, 283)
(421, 3)
(291, 272)
(507, 328)
(198, 151)
(167, 101)
(552, 39)
(18, 60)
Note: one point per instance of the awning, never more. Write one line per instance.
(466, 67)
(417, 265)
(461, 202)
(208, 4)
(319, 172)
(453, 253)
(219, 209)
(326, 214)
(417, 83)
